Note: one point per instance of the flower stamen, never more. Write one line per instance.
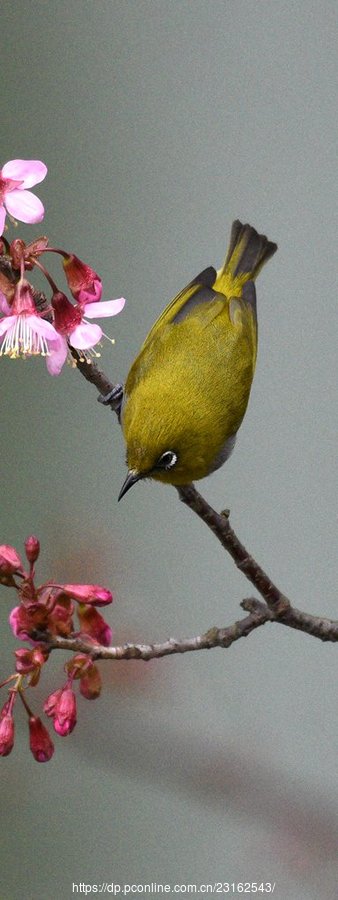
(22, 340)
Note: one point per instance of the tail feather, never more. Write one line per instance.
(248, 251)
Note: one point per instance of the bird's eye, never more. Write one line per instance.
(167, 460)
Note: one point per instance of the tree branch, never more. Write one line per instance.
(220, 526)
(91, 373)
(259, 613)
(214, 637)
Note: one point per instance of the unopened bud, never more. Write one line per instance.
(49, 705)
(65, 712)
(10, 561)
(40, 743)
(32, 548)
(91, 684)
(84, 283)
(93, 594)
(93, 624)
(6, 734)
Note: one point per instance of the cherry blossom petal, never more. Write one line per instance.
(42, 327)
(29, 171)
(27, 335)
(2, 218)
(57, 357)
(85, 335)
(6, 323)
(25, 206)
(104, 308)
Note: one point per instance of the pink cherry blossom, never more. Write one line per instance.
(72, 326)
(22, 331)
(15, 177)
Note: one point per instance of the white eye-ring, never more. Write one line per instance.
(167, 460)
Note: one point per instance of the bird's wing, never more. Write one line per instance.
(189, 303)
(196, 292)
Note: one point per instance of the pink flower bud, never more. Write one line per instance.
(92, 623)
(91, 684)
(40, 743)
(88, 593)
(24, 663)
(10, 561)
(84, 283)
(6, 734)
(32, 548)
(6, 707)
(49, 705)
(65, 712)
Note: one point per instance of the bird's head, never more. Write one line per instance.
(148, 462)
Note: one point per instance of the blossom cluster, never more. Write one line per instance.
(45, 612)
(26, 329)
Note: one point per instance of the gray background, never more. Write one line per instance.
(160, 123)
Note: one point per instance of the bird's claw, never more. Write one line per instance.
(113, 399)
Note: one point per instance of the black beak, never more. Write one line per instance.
(131, 479)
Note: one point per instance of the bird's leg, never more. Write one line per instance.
(113, 399)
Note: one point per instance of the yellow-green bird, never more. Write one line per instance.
(188, 389)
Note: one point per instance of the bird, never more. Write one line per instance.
(188, 389)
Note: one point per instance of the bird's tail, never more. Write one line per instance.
(248, 252)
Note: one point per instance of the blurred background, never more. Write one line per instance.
(160, 123)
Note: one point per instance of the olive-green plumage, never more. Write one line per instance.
(188, 389)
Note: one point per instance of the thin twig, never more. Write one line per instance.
(92, 373)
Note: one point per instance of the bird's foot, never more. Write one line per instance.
(113, 399)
